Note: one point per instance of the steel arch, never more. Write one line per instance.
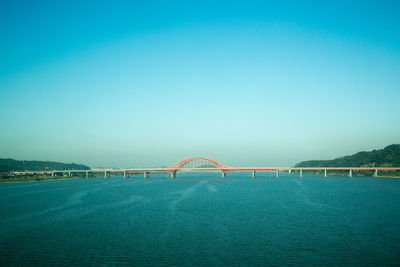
(217, 164)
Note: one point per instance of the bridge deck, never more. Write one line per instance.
(226, 170)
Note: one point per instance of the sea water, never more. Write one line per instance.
(202, 220)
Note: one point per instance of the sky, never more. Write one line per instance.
(149, 83)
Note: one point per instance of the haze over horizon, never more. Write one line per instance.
(248, 83)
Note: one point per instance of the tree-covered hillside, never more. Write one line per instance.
(387, 157)
(7, 165)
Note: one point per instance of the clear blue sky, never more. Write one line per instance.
(147, 83)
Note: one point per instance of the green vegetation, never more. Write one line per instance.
(10, 165)
(387, 157)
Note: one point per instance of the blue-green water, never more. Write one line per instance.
(195, 221)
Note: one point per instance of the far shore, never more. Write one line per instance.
(33, 179)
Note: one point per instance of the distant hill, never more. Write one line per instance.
(7, 165)
(387, 157)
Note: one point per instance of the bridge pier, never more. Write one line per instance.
(173, 175)
(87, 175)
(146, 175)
(124, 174)
(254, 175)
(376, 173)
(223, 174)
(277, 173)
(325, 174)
(105, 174)
(350, 172)
(301, 173)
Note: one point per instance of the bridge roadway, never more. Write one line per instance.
(197, 164)
(253, 170)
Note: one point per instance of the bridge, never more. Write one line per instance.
(201, 164)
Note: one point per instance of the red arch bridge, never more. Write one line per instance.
(201, 164)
